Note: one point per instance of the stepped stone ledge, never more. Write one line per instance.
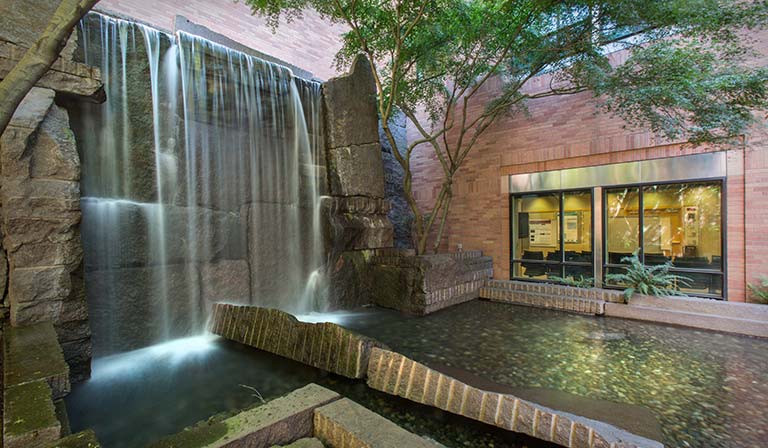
(398, 375)
(325, 345)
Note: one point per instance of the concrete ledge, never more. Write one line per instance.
(396, 374)
(32, 353)
(281, 421)
(651, 313)
(325, 345)
(346, 424)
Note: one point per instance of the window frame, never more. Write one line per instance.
(562, 263)
(723, 272)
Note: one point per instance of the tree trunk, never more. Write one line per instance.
(40, 56)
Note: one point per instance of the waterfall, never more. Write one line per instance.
(201, 183)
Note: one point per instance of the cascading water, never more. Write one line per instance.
(201, 183)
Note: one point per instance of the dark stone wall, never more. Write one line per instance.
(400, 213)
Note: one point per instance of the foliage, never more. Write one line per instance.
(648, 280)
(454, 67)
(760, 291)
(581, 282)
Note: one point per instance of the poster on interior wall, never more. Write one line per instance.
(541, 232)
(571, 227)
(691, 225)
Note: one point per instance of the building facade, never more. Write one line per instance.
(567, 192)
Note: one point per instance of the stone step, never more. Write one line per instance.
(607, 295)
(735, 310)
(32, 353)
(278, 422)
(749, 327)
(345, 423)
(29, 417)
(549, 301)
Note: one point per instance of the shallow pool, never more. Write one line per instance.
(138, 397)
(705, 389)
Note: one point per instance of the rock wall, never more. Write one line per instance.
(40, 196)
(357, 207)
(41, 258)
(400, 213)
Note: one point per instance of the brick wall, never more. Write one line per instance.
(309, 43)
(566, 132)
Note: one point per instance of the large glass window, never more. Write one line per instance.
(679, 223)
(552, 235)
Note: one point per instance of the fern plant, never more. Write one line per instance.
(760, 291)
(581, 282)
(648, 280)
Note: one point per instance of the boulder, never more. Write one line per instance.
(356, 171)
(350, 107)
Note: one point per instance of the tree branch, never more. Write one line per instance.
(37, 60)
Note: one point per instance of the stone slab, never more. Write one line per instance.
(308, 442)
(29, 417)
(64, 76)
(347, 424)
(350, 107)
(356, 171)
(398, 375)
(324, 345)
(32, 353)
(278, 422)
(748, 327)
(424, 284)
(83, 439)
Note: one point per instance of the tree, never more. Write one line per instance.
(684, 78)
(40, 56)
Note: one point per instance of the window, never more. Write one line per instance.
(679, 223)
(552, 235)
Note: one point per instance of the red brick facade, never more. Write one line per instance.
(309, 43)
(566, 132)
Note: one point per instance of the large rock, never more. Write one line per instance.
(131, 308)
(325, 345)
(226, 281)
(358, 223)
(356, 171)
(427, 283)
(350, 107)
(119, 234)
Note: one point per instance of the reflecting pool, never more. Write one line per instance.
(705, 389)
(138, 397)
